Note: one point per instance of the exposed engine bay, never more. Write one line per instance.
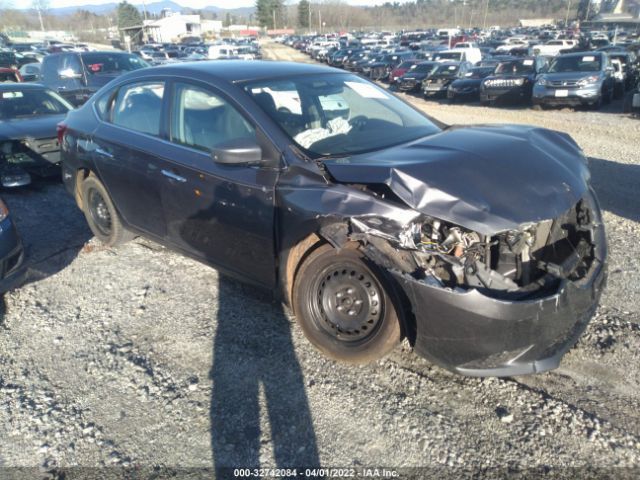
(512, 265)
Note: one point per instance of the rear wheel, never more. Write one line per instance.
(102, 216)
(345, 307)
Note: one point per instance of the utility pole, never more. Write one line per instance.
(274, 18)
(486, 12)
(586, 17)
(320, 21)
(566, 20)
(40, 17)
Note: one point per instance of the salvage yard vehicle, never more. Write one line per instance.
(438, 81)
(12, 267)
(468, 86)
(512, 80)
(77, 76)
(29, 114)
(482, 245)
(576, 79)
(412, 80)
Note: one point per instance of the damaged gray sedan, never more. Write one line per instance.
(482, 245)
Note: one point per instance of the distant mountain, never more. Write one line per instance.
(152, 8)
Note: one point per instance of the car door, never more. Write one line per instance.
(223, 214)
(127, 151)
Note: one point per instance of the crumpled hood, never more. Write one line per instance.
(30, 127)
(485, 178)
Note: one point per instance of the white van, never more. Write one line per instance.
(219, 52)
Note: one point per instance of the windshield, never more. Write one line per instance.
(112, 63)
(26, 103)
(339, 114)
(446, 70)
(424, 67)
(586, 63)
(480, 72)
(9, 77)
(406, 65)
(515, 67)
(449, 56)
(8, 58)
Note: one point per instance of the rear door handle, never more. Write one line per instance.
(173, 176)
(103, 152)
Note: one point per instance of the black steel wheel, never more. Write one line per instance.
(101, 214)
(345, 307)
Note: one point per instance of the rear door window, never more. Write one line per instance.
(138, 107)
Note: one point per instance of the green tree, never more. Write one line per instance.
(129, 16)
(304, 8)
(270, 11)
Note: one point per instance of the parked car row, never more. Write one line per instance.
(466, 72)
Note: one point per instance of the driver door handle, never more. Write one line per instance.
(173, 176)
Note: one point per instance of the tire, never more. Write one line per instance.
(627, 105)
(345, 307)
(102, 216)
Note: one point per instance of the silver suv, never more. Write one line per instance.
(584, 78)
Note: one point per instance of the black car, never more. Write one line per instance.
(512, 80)
(437, 82)
(380, 69)
(412, 80)
(467, 88)
(12, 267)
(29, 114)
(9, 60)
(77, 76)
(483, 245)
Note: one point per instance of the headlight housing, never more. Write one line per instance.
(588, 80)
(543, 81)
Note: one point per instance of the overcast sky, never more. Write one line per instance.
(185, 3)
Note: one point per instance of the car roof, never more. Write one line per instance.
(234, 71)
(595, 53)
(21, 86)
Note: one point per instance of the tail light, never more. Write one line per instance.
(61, 129)
(4, 211)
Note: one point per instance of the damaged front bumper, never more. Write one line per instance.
(472, 334)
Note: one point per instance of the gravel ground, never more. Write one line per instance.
(138, 357)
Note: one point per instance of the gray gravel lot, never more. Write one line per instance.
(139, 357)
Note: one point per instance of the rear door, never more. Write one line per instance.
(128, 153)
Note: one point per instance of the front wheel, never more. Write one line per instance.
(345, 307)
(102, 216)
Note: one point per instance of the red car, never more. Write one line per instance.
(8, 75)
(401, 69)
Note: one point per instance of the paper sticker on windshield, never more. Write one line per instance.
(12, 95)
(366, 91)
(452, 67)
(590, 58)
(528, 63)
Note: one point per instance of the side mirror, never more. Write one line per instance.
(241, 151)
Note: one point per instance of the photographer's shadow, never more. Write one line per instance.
(254, 359)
